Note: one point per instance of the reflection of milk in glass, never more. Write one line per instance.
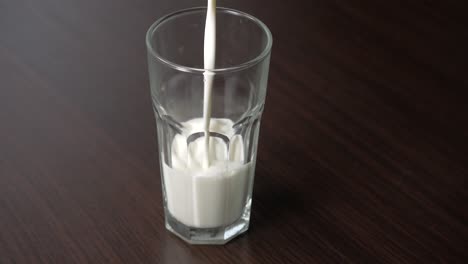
(208, 180)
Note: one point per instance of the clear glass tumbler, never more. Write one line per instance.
(208, 205)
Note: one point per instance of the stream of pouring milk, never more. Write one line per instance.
(209, 55)
(208, 181)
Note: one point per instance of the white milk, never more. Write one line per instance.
(212, 197)
(207, 184)
(209, 55)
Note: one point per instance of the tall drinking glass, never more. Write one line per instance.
(208, 205)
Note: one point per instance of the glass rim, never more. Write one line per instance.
(264, 53)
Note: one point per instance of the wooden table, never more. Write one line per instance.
(362, 154)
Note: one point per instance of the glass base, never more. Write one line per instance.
(208, 236)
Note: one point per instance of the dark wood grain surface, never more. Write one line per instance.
(363, 146)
